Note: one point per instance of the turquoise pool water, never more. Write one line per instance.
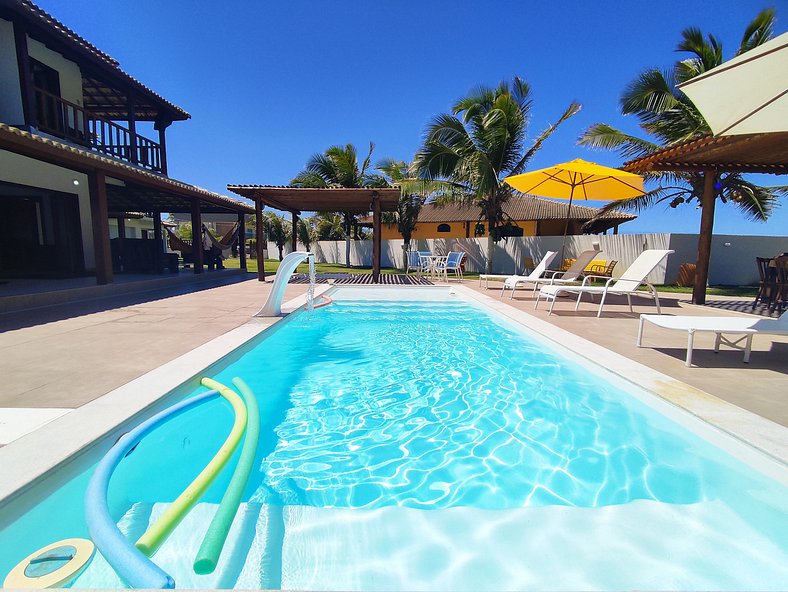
(428, 445)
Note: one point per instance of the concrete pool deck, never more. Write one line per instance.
(59, 358)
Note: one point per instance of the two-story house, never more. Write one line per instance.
(81, 143)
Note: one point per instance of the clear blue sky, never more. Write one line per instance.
(270, 83)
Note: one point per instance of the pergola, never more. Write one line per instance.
(750, 153)
(302, 199)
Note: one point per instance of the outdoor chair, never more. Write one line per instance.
(780, 298)
(572, 275)
(453, 263)
(417, 261)
(626, 285)
(513, 281)
(767, 285)
(747, 327)
(528, 267)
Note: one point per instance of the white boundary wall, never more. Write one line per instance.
(732, 261)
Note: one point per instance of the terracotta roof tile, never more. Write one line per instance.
(524, 207)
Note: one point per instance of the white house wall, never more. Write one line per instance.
(10, 93)
(70, 75)
(33, 173)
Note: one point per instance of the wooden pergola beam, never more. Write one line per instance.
(340, 199)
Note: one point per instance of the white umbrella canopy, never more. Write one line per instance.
(745, 95)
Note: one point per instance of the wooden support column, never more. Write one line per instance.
(242, 240)
(25, 76)
(376, 232)
(294, 237)
(259, 238)
(132, 120)
(704, 238)
(97, 186)
(161, 126)
(197, 253)
(158, 251)
(121, 221)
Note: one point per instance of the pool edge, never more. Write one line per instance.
(34, 455)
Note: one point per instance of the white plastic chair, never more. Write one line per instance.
(627, 284)
(513, 281)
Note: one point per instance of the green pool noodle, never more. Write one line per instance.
(211, 548)
(158, 532)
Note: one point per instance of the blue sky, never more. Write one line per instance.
(270, 83)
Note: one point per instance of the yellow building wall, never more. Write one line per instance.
(457, 230)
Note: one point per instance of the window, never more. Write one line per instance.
(444, 228)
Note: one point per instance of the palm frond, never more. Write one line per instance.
(606, 137)
(573, 109)
(758, 31)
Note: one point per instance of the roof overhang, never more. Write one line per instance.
(143, 190)
(107, 88)
(753, 153)
(303, 199)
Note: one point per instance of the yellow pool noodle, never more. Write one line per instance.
(158, 532)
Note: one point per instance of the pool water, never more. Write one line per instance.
(428, 445)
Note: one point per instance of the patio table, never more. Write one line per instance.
(432, 262)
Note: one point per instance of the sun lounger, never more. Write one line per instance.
(572, 275)
(513, 281)
(627, 285)
(747, 327)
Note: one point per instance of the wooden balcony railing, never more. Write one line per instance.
(68, 120)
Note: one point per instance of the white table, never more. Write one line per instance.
(432, 262)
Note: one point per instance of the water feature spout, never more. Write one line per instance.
(273, 306)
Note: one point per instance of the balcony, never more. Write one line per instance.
(69, 121)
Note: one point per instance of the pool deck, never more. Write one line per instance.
(59, 358)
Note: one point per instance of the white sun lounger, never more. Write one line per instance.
(628, 284)
(512, 281)
(747, 327)
(570, 276)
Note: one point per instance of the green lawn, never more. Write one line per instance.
(271, 266)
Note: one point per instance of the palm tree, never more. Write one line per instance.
(278, 230)
(329, 226)
(306, 231)
(476, 152)
(338, 167)
(669, 117)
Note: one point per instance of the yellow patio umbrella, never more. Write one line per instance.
(578, 179)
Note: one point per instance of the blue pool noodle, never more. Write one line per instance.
(137, 570)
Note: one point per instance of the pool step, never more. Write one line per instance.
(252, 550)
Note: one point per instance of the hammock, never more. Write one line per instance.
(223, 246)
(230, 236)
(177, 243)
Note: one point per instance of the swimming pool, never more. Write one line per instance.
(416, 440)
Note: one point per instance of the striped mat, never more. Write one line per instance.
(362, 278)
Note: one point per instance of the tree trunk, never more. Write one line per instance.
(490, 249)
(490, 241)
(704, 239)
(347, 240)
(280, 251)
